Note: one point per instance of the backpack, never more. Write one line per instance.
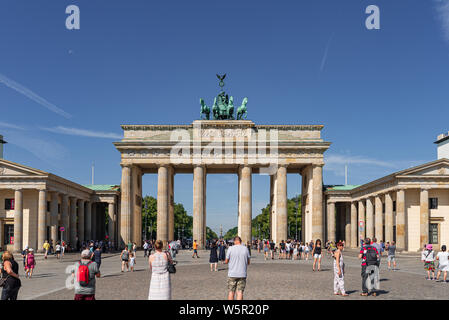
(371, 256)
(30, 260)
(83, 274)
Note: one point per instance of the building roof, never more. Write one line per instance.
(102, 187)
(342, 187)
(442, 137)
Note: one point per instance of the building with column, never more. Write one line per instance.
(410, 207)
(35, 205)
(225, 147)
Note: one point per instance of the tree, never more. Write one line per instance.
(261, 223)
(210, 234)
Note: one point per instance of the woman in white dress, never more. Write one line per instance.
(160, 286)
(443, 258)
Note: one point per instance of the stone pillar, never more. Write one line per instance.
(354, 226)
(379, 218)
(73, 222)
(18, 220)
(198, 205)
(54, 218)
(424, 217)
(331, 221)
(88, 221)
(162, 204)
(281, 204)
(111, 223)
(361, 219)
(126, 205)
(171, 204)
(388, 218)
(41, 220)
(65, 217)
(204, 208)
(317, 202)
(369, 218)
(94, 221)
(271, 217)
(245, 199)
(348, 225)
(81, 220)
(400, 220)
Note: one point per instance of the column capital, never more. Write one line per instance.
(425, 189)
(318, 165)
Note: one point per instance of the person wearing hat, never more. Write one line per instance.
(85, 281)
(30, 263)
(428, 257)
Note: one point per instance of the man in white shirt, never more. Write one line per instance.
(238, 259)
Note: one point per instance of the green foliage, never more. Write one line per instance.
(261, 223)
(210, 234)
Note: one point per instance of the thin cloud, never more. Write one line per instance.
(83, 132)
(326, 51)
(33, 96)
(442, 9)
(336, 159)
(10, 126)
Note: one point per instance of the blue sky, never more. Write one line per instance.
(381, 94)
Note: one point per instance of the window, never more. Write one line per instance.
(433, 233)
(433, 203)
(9, 234)
(9, 204)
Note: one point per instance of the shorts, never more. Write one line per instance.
(391, 258)
(195, 251)
(317, 256)
(443, 267)
(238, 284)
(429, 265)
(265, 250)
(125, 260)
(84, 297)
(30, 266)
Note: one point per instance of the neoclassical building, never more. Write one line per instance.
(410, 207)
(36, 206)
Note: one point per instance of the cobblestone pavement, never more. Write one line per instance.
(271, 279)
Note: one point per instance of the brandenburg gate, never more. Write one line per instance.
(221, 145)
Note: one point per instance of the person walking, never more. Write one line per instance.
(379, 248)
(24, 254)
(370, 271)
(213, 259)
(316, 253)
(145, 249)
(30, 263)
(195, 249)
(391, 250)
(10, 271)
(132, 261)
(84, 273)
(266, 248)
(46, 247)
(443, 266)
(238, 258)
(429, 262)
(272, 249)
(339, 271)
(97, 257)
(307, 250)
(222, 252)
(160, 284)
(124, 258)
(58, 250)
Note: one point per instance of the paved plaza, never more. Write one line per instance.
(269, 280)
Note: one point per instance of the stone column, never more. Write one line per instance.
(198, 205)
(81, 220)
(171, 204)
(54, 218)
(348, 225)
(388, 218)
(379, 218)
(94, 221)
(424, 217)
(41, 220)
(354, 226)
(125, 210)
(331, 221)
(88, 221)
(162, 204)
(400, 220)
(111, 223)
(317, 202)
(73, 222)
(361, 219)
(204, 207)
(18, 220)
(245, 198)
(281, 204)
(65, 217)
(369, 218)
